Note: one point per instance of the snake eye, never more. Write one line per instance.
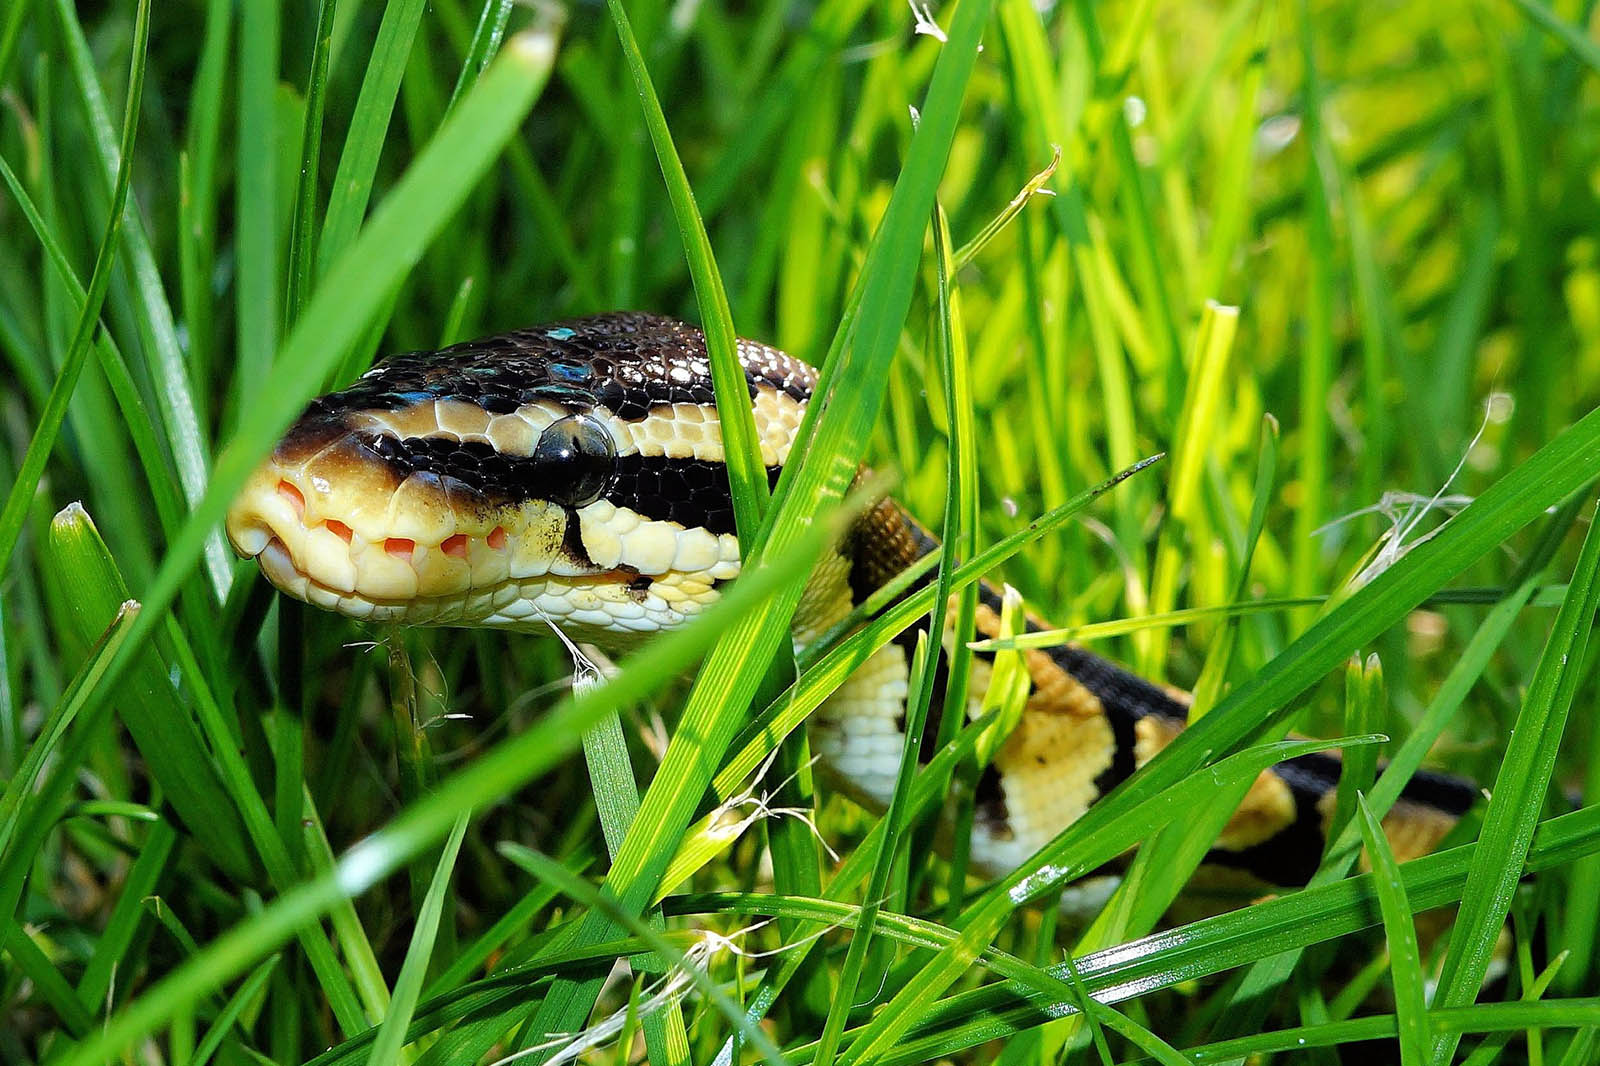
(574, 457)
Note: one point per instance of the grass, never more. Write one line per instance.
(230, 833)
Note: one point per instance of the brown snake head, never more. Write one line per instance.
(570, 473)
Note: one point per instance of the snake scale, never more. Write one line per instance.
(573, 474)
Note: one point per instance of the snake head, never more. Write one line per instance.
(569, 474)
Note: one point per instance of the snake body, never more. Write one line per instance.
(572, 474)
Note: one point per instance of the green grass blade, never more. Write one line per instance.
(369, 124)
(1519, 791)
(174, 397)
(829, 448)
(1405, 962)
(302, 226)
(408, 986)
(486, 38)
(1582, 46)
(258, 320)
(228, 1017)
(14, 513)
(152, 710)
(747, 473)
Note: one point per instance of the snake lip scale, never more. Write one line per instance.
(572, 475)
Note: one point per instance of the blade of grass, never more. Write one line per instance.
(164, 361)
(1580, 45)
(1491, 1018)
(369, 124)
(127, 918)
(408, 986)
(691, 968)
(747, 473)
(1316, 354)
(486, 38)
(616, 797)
(1519, 792)
(246, 996)
(31, 963)
(1213, 945)
(302, 227)
(830, 443)
(257, 320)
(153, 711)
(1251, 1000)
(1405, 962)
(34, 796)
(197, 205)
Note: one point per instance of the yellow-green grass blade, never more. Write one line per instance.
(959, 527)
(747, 475)
(1199, 429)
(829, 446)
(958, 531)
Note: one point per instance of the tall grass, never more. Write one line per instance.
(232, 831)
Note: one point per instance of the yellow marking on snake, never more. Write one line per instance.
(573, 474)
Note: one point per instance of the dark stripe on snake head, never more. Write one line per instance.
(690, 492)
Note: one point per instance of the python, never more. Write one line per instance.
(573, 474)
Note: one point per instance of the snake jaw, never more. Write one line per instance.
(343, 532)
(332, 526)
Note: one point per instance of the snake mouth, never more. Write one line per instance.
(382, 549)
(334, 553)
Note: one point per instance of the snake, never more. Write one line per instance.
(574, 475)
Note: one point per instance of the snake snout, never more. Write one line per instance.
(321, 523)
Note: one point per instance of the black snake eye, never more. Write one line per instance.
(574, 458)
